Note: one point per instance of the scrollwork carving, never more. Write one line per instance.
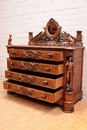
(26, 78)
(30, 53)
(27, 66)
(34, 67)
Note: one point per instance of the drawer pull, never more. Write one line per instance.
(44, 96)
(12, 63)
(48, 69)
(9, 74)
(8, 86)
(45, 82)
(13, 52)
(50, 55)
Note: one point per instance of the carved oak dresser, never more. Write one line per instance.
(49, 68)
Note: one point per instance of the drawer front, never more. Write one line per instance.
(37, 54)
(35, 80)
(36, 67)
(34, 93)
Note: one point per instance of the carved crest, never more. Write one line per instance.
(53, 35)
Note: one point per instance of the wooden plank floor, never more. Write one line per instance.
(22, 113)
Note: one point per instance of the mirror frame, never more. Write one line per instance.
(47, 29)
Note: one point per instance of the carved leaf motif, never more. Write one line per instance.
(27, 66)
(32, 54)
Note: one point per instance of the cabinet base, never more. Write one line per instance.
(10, 93)
(68, 111)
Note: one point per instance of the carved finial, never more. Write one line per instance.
(30, 37)
(79, 36)
(10, 40)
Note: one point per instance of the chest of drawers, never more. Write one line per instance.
(49, 73)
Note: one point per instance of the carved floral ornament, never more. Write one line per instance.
(53, 35)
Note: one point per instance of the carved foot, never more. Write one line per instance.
(68, 105)
(68, 111)
(10, 93)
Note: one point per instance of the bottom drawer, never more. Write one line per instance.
(49, 96)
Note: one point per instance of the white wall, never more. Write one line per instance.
(18, 17)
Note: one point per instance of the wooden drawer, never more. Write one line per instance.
(37, 54)
(52, 82)
(34, 66)
(34, 93)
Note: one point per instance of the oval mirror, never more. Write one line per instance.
(52, 29)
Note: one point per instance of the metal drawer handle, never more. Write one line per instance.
(44, 96)
(50, 55)
(45, 82)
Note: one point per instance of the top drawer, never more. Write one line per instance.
(37, 54)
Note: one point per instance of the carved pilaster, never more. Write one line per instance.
(68, 92)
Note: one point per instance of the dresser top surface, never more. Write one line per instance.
(45, 47)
